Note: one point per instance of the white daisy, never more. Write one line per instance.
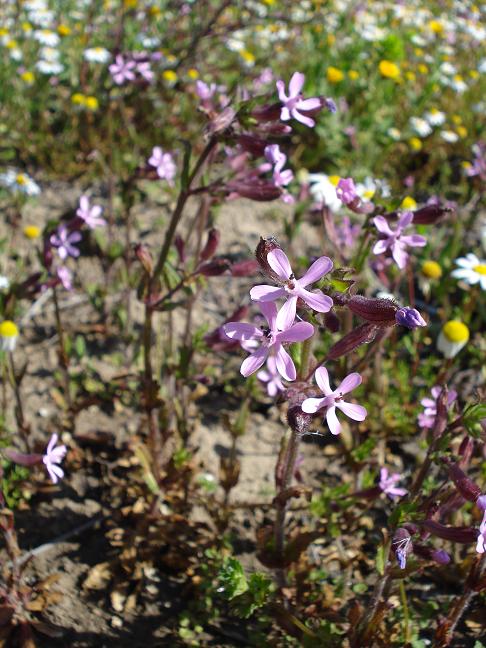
(449, 136)
(420, 126)
(97, 55)
(323, 190)
(471, 270)
(19, 182)
(47, 37)
(435, 117)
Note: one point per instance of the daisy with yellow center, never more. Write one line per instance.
(8, 335)
(453, 337)
(471, 270)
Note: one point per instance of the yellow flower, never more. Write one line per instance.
(63, 30)
(457, 119)
(453, 337)
(3, 32)
(419, 51)
(130, 4)
(474, 74)
(389, 69)
(461, 131)
(431, 269)
(21, 179)
(422, 68)
(436, 27)
(27, 27)
(331, 39)
(11, 44)
(28, 77)
(353, 75)
(32, 231)
(334, 179)
(247, 56)
(8, 335)
(155, 11)
(334, 75)
(91, 103)
(78, 99)
(466, 164)
(410, 76)
(170, 76)
(408, 203)
(415, 144)
(193, 74)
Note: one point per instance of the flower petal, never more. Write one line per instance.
(286, 315)
(318, 269)
(296, 333)
(278, 261)
(381, 246)
(318, 301)
(303, 119)
(355, 412)
(285, 364)
(266, 293)
(332, 421)
(414, 240)
(312, 405)
(309, 104)
(349, 383)
(253, 362)
(241, 330)
(296, 83)
(322, 380)
(269, 310)
(382, 226)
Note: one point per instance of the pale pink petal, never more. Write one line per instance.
(382, 226)
(269, 311)
(381, 246)
(307, 121)
(414, 240)
(355, 412)
(253, 362)
(286, 315)
(241, 331)
(332, 421)
(318, 301)
(285, 114)
(296, 333)
(349, 383)
(296, 84)
(312, 405)
(266, 293)
(285, 364)
(322, 380)
(309, 104)
(318, 269)
(52, 443)
(400, 255)
(281, 91)
(405, 219)
(278, 261)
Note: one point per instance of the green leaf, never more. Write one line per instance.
(380, 560)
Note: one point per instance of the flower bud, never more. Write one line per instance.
(331, 321)
(214, 268)
(220, 123)
(180, 246)
(439, 556)
(361, 335)
(464, 535)
(260, 192)
(267, 113)
(252, 144)
(143, 255)
(298, 420)
(211, 244)
(378, 311)
(264, 247)
(409, 317)
(245, 268)
(467, 488)
(402, 546)
(430, 214)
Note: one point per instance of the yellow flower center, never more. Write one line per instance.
(408, 203)
(456, 331)
(32, 231)
(334, 180)
(8, 329)
(21, 179)
(389, 70)
(170, 76)
(431, 269)
(334, 75)
(480, 269)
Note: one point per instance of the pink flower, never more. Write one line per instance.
(346, 191)
(65, 277)
(164, 163)
(293, 288)
(275, 156)
(122, 70)
(333, 399)
(64, 241)
(426, 418)
(143, 68)
(90, 215)
(294, 103)
(394, 240)
(53, 457)
(387, 484)
(271, 377)
(205, 91)
(271, 340)
(481, 544)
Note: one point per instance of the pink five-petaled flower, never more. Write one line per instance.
(64, 241)
(271, 341)
(346, 190)
(294, 103)
(426, 419)
(394, 240)
(271, 377)
(333, 399)
(91, 215)
(275, 156)
(145, 71)
(387, 484)
(53, 458)
(293, 288)
(164, 163)
(122, 70)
